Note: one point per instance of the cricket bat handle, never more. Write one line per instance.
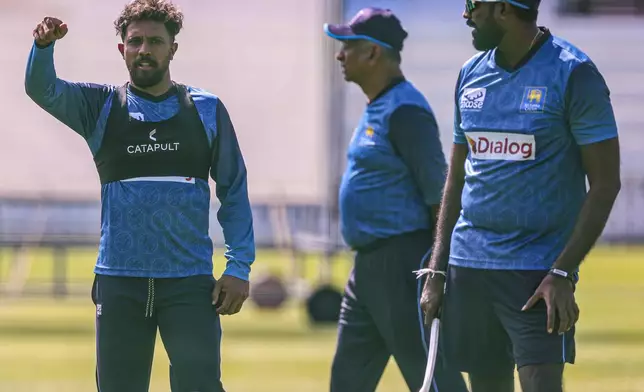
(432, 354)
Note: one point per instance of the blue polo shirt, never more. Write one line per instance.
(524, 179)
(395, 168)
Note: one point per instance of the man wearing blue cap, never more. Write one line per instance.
(533, 121)
(389, 197)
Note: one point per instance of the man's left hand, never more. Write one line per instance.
(232, 291)
(559, 295)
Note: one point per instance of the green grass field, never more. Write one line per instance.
(47, 345)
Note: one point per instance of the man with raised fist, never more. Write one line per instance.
(155, 143)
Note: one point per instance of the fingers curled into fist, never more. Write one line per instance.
(49, 30)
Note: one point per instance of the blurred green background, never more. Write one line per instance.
(48, 345)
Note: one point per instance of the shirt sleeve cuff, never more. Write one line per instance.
(49, 47)
(460, 140)
(237, 269)
(605, 134)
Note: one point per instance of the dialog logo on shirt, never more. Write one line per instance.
(501, 146)
(152, 147)
(473, 99)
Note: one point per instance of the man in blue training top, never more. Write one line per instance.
(388, 199)
(533, 120)
(155, 143)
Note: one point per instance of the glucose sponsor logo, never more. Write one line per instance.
(473, 99)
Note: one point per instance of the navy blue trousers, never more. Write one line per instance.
(381, 317)
(128, 313)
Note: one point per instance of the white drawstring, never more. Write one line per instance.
(432, 273)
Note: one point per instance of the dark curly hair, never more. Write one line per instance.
(163, 11)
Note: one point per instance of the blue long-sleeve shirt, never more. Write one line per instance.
(155, 226)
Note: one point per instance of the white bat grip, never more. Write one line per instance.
(431, 357)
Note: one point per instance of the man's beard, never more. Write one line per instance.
(145, 78)
(489, 37)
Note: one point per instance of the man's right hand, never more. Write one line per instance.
(432, 296)
(49, 30)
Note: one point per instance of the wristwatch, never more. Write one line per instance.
(562, 274)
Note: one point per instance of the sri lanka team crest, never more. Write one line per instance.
(534, 99)
(364, 138)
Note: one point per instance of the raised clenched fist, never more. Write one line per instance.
(49, 30)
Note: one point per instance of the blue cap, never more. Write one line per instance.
(377, 25)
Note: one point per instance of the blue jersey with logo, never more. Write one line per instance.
(524, 180)
(395, 169)
(155, 226)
